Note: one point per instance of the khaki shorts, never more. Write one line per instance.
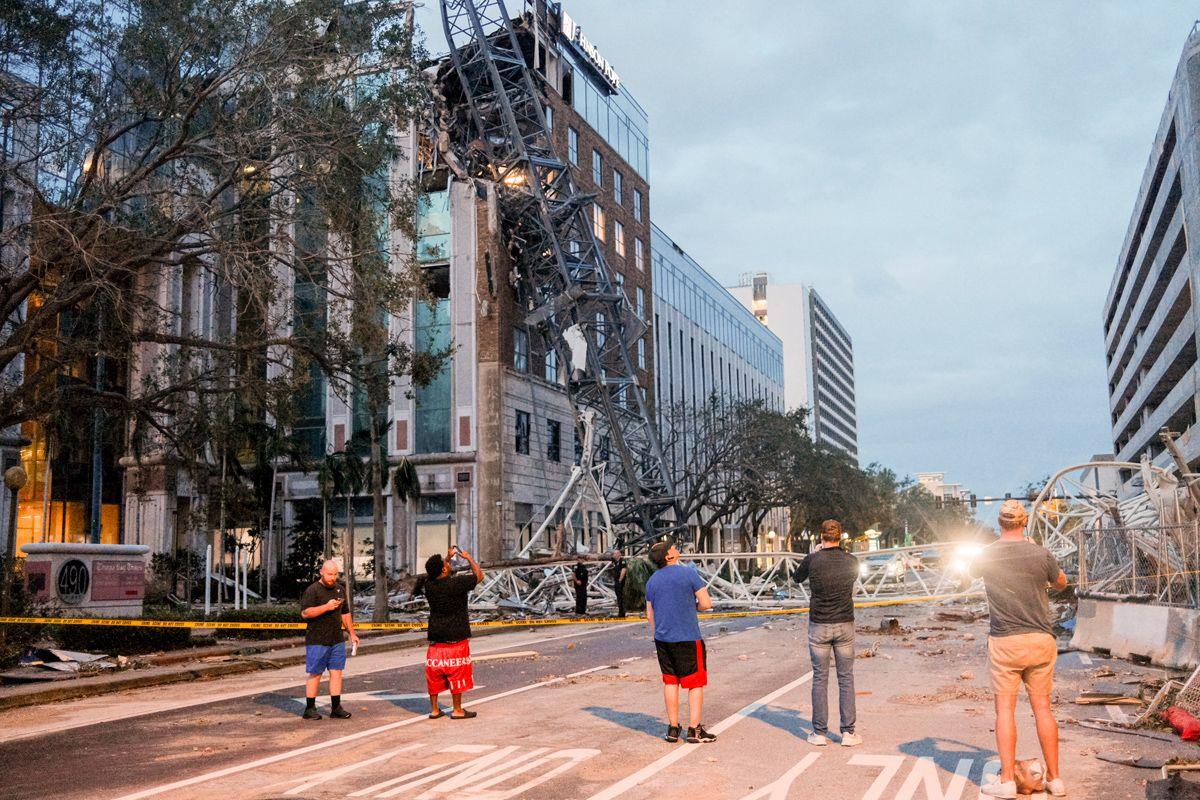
(1025, 658)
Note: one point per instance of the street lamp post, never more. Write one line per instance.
(14, 481)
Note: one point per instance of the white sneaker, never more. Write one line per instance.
(1007, 789)
(851, 740)
(817, 740)
(1056, 787)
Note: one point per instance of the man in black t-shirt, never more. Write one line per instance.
(831, 573)
(323, 606)
(618, 575)
(579, 577)
(448, 659)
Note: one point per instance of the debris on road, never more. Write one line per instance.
(870, 652)
(949, 615)
(1140, 762)
(51, 664)
(1116, 727)
(1105, 694)
(967, 676)
(943, 695)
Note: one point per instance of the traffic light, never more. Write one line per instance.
(974, 502)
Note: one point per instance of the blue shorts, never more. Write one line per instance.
(320, 657)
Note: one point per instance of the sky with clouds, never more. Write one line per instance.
(955, 179)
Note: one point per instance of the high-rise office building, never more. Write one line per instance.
(709, 350)
(1150, 320)
(818, 356)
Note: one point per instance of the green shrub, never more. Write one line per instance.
(262, 613)
(15, 638)
(637, 572)
(123, 640)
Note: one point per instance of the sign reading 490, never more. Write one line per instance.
(73, 582)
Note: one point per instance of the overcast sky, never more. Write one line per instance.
(955, 179)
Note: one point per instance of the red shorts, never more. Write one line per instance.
(448, 667)
(684, 663)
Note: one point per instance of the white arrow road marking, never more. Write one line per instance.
(572, 757)
(779, 789)
(154, 791)
(458, 773)
(650, 770)
(316, 779)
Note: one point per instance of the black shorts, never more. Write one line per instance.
(684, 663)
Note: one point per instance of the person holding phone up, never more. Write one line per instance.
(448, 660)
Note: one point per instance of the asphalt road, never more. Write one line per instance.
(564, 712)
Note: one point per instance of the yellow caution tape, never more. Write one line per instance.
(418, 626)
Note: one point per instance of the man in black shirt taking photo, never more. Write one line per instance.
(831, 573)
(323, 606)
(448, 659)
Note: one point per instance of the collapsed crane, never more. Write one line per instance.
(570, 294)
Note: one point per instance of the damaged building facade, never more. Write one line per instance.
(492, 437)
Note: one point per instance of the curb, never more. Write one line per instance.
(77, 690)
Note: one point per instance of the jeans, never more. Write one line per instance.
(838, 639)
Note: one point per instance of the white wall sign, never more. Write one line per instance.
(574, 33)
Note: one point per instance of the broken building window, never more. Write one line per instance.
(520, 350)
(553, 439)
(522, 432)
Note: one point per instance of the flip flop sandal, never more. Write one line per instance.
(438, 715)
(466, 715)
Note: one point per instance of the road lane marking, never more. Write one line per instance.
(316, 779)
(924, 775)
(891, 765)
(779, 789)
(481, 767)
(1085, 659)
(653, 768)
(262, 762)
(573, 757)
(117, 706)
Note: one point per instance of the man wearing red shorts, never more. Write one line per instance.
(448, 659)
(673, 596)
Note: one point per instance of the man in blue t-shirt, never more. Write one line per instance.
(673, 596)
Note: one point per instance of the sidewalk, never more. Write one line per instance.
(193, 664)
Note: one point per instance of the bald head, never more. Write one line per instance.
(329, 572)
